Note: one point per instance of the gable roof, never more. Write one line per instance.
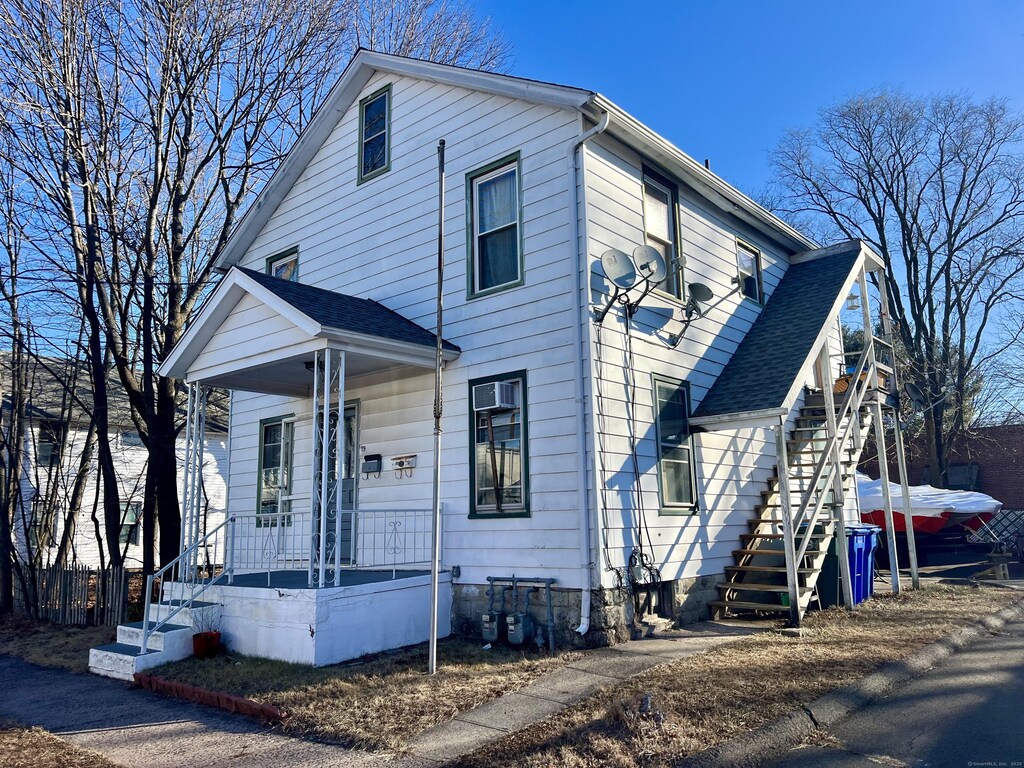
(621, 125)
(763, 372)
(320, 314)
(348, 313)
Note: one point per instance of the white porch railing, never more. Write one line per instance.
(390, 538)
(261, 542)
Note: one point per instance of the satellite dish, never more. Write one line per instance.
(700, 292)
(619, 268)
(916, 396)
(650, 263)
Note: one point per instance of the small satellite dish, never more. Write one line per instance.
(650, 263)
(916, 396)
(619, 268)
(700, 292)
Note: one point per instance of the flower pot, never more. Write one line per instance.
(205, 644)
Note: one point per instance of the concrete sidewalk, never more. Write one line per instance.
(135, 728)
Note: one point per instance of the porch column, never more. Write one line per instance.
(328, 453)
(191, 508)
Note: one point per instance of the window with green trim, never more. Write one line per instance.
(498, 450)
(131, 524)
(676, 472)
(276, 441)
(374, 134)
(495, 227)
(284, 265)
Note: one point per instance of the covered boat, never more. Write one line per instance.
(932, 509)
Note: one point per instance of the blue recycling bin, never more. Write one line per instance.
(861, 541)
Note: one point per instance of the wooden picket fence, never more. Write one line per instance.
(76, 595)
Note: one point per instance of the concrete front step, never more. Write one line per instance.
(199, 615)
(121, 661)
(175, 638)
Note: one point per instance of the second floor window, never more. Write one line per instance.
(495, 228)
(748, 262)
(660, 229)
(374, 129)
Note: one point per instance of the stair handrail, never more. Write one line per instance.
(854, 394)
(188, 556)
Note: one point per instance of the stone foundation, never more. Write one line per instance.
(611, 610)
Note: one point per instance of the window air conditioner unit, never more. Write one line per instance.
(496, 396)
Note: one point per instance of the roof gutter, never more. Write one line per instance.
(582, 353)
(706, 182)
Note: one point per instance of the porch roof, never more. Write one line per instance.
(763, 374)
(261, 333)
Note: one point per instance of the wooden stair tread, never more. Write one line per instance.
(768, 569)
(745, 605)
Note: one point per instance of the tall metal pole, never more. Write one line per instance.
(435, 558)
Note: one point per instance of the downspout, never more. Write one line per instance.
(582, 350)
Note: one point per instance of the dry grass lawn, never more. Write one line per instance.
(51, 645)
(377, 703)
(681, 708)
(36, 748)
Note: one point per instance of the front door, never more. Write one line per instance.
(348, 480)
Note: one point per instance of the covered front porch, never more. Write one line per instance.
(302, 553)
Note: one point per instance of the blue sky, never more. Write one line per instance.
(723, 80)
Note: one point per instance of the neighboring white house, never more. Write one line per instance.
(52, 455)
(628, 456)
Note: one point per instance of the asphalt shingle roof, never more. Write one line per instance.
(759, 375)
(348, 313)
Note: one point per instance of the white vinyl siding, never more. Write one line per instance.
(378, 241)
(731, 466)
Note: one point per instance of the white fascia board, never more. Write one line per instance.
(387, 349)
(344, 93)
(715, 189)
(232, 288)
(824, 331)
(764, 417)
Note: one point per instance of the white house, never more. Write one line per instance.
(622, 442)
(53, 449)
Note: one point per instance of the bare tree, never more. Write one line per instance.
(936, 186)
(138, 129)
(436, 30)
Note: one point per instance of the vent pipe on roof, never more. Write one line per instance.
(707, 164)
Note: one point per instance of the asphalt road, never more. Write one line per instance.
(968, 712)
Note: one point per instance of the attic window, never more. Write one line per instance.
(374, 134)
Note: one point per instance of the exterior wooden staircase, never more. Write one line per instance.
(759, 580)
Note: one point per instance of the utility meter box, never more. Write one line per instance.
(520, 628)
(492, 627)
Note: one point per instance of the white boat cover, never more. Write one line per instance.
(925, 501)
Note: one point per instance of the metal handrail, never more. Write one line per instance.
(189, 557)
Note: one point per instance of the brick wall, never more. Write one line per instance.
(998, 452)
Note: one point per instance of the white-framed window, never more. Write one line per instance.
(676, 472)
(498, 452)
(284, 265)
(748, 264)
(660, 228)
(375, 134)
(495, 227)
(131, 524)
